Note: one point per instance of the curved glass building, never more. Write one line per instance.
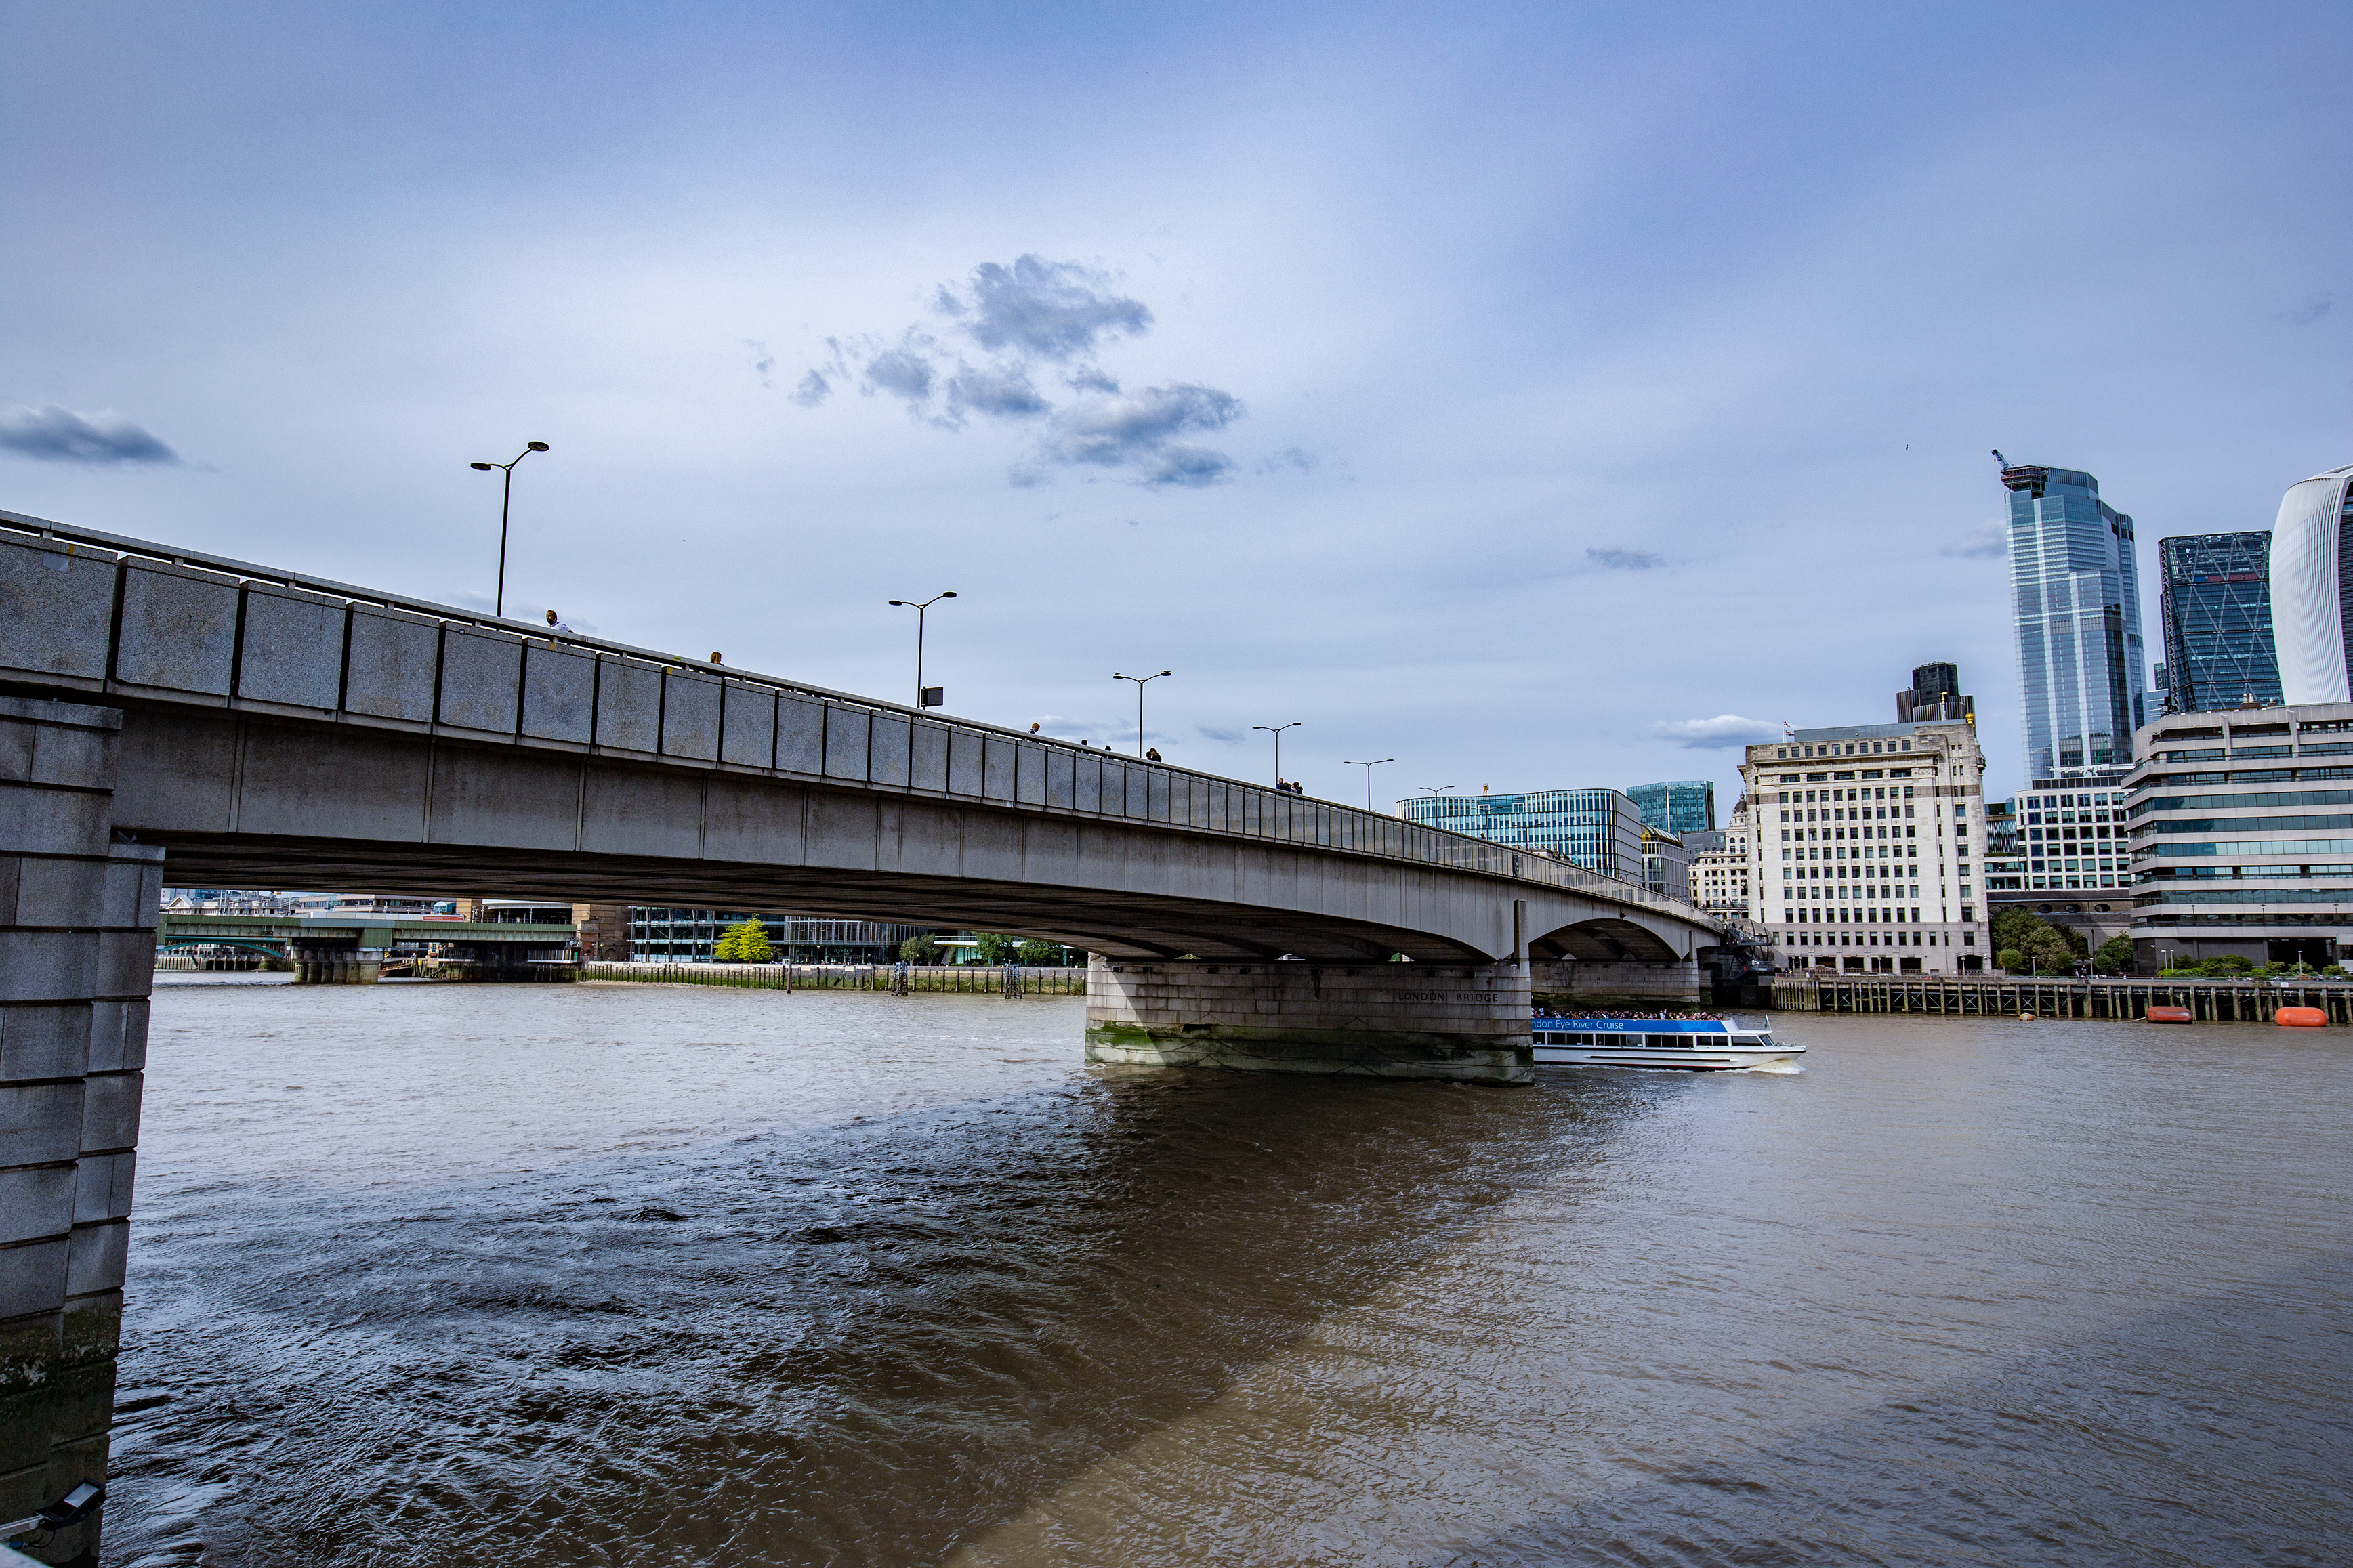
(2312, 589)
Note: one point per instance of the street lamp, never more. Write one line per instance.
(505, 499)
(1276, 730)
(1368, 768)
(1141, 682)
(1435, 790)
(924, 697)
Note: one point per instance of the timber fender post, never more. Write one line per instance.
(1463, 1023)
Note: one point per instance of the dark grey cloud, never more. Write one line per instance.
(1000, 393)
(903, 373)
(1139, 433)
(2311, 310)
(1053, 310)
(1231, 737)
(1290, 458)
(56, 434)
(1028, 315)
(1626, 559)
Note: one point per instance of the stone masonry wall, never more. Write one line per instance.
(76, 958)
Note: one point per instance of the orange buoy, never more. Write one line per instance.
(2302, 1018)
(2169, 1015)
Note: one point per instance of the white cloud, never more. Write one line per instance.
(1723, 731)
(1986, 542)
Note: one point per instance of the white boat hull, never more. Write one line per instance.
(1688, 1051)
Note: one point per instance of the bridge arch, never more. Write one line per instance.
(1611, 938)
(267, 948)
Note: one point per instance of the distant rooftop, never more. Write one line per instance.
(1867, 732)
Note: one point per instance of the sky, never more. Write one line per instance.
(1541, 398)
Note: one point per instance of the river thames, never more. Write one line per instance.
(633, 1274)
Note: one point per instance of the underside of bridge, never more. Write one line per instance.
(1606, 939)
(1108, 921)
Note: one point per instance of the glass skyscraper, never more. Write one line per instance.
(2075, 594)
(2312, 588)
(1599, 829)
(2217, 608)
(1678, 805)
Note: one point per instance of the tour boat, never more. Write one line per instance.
(1691, 1043)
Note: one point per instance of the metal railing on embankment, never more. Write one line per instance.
(973, 979)
(2212, 1000)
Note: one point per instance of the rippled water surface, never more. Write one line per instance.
(635, 1274)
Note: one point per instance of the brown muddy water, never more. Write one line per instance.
(434, 1275)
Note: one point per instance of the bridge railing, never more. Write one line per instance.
(85, 611)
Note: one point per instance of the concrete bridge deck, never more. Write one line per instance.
(283, 730)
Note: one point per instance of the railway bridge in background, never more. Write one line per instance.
(336, 949)
(255, 727)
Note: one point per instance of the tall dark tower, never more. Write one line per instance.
(1936, 697)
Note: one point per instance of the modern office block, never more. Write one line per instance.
(2239, 838)
(1599, 829)
(2312, 589)
(1666, 864)
(1678, 805)
(2215, 605)
(1936, 697)
(665, 935)
(2075, 602)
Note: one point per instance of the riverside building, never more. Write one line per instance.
(1867, 847)
(1599, 829)
(664, 935)
(2075, 599)
(1676, 806)
(2241, 836)
(1719, 867)
(1666, 864)
(2312, 557)
(2216, 605)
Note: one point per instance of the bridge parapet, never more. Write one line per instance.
(127, 620)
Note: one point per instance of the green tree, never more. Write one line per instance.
(745, 941)
(1039, 955)
(991, 948)
(2011, 958)
(920, 947)
(2049, 952)
(2114, 957)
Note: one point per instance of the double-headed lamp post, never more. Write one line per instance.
(1276, 730)
(1368, 768)
(1141, 682)
(505, 501)
(919, 607)
(1434, 791)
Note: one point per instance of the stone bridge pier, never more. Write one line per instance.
(317, 963)
(77, 959)
(1467, 1022)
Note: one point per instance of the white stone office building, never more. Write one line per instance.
(1719, 867)
(2242, 826)
(1866, 847)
